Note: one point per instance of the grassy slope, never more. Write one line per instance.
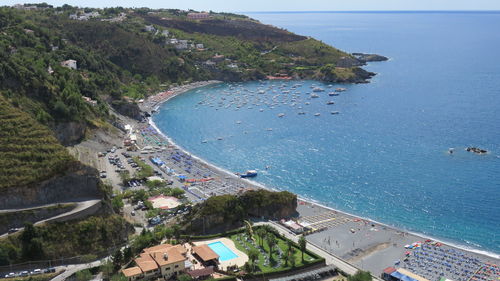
(28, 151)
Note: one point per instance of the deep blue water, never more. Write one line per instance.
(385, 155)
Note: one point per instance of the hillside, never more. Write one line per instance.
(28, 151)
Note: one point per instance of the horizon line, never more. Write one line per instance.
(372, 11)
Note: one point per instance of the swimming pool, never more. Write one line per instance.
(224, 252)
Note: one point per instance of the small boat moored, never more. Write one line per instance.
(249, 174)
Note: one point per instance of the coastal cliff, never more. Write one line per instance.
(221, 213)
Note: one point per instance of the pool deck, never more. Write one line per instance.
(239, 261)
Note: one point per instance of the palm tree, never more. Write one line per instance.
(253, 255)
(271, 241)
(261, 232)
(302, 245)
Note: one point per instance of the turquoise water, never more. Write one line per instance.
(224, 252)
(385, 155)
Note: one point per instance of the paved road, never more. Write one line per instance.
(329, 258)
(80, 206)
(73, 268)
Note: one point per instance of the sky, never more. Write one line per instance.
(282, 5)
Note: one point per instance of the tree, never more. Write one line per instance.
(125, 177)
(289, 248)
(127, 254)
(292, 261)
(184, 277)
(117, 259)
(168, 233)
(249, 229)
(117, 203)
(83, 275)
(119, 277)
(253, 255)
(261, 232)
(271, 242)
(360, 275)
(302, 245)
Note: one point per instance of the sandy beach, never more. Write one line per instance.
(367, 244)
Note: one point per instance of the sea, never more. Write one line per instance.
(385, 155)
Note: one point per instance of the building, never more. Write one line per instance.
(149, 28)
(218, 58)
(89, 101)
(206, 255)
(181, 45)
(198, 16)
(162, 261)
(400, 274)
(200, 46)
(71, 64)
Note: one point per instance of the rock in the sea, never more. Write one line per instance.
(476, 150)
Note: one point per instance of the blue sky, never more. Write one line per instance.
(285, 5)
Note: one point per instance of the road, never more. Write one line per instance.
(73, 268)
(80, 206)
(329, 258)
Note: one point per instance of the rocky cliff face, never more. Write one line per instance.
(222, 213)
(79, 182)
(69, 133)
(128, 109)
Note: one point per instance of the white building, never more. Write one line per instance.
(182, 45)
(71, 64)
(149, 28)
(200, 46)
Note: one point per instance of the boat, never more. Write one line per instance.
(249, 174)
(340, 90)
(330, 102)
(334, 112)
(238, 122)
(204, 141)
(314, 96)
(261, 110)
(331, 94)
(269, 129)
(261, 92)
(302, 113)
(281, 114)
(318, 89)
(317, 114)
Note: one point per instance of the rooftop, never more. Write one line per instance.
(205, 253)
(132, 271)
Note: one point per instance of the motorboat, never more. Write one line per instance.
(249, 174)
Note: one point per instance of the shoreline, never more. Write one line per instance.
(183, 89)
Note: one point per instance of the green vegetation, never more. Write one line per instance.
(28, 151)
(228, 211)
(277, 254)
(360, 276)
(93, 235)
(144, 170)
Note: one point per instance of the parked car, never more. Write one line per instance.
(132, 213)
(36, 271)
(13, 230)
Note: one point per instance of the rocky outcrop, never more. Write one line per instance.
(221, 213)
(69, 133)
(364, 58)
(79, 182)
(128, 109)
(267, 204)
